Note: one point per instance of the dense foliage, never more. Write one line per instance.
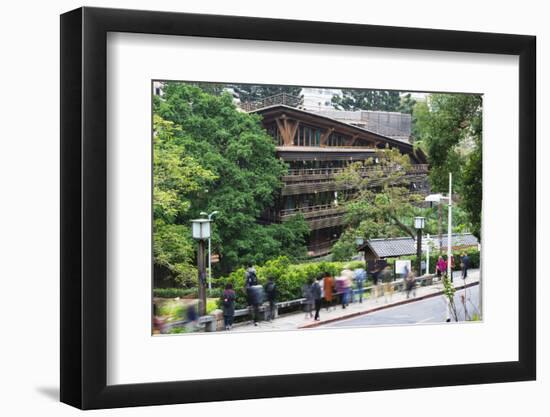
(210, 156)
(381, 205)
(449, 129)
(367, 100)
(288, 277)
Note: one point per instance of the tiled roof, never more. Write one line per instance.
(401, 246)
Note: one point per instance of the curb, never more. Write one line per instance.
(382, 307)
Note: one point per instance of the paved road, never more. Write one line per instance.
(431, 310)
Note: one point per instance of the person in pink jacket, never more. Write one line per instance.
(440, 267)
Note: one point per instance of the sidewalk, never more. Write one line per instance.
(296, 321)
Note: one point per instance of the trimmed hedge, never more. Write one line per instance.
(288, 277)
(184, 292)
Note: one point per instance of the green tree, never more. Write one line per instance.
(406, 104)
(449, 128)
(355, 99)
(381, 205)
(234, 147)
(176, 175)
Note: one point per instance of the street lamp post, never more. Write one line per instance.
(201, 232)
(428, 242)
(450, 228)
(419, 225)
(437, 198)
(203, 213)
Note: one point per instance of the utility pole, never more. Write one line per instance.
(450, 229)
(202, 278)
(439, 228)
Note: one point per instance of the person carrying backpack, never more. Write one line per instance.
(253, 292)
(271, 295)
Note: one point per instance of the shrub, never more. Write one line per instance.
(174, 292)
(289, 278)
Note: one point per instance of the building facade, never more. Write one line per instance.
(317, 148)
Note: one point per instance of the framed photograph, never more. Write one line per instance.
(259, 208)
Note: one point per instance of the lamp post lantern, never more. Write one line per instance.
(419, 225)
(201, 232)
(203, 213)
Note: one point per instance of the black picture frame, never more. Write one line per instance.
(84, 207)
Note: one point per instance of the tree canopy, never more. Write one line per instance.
(381, 100)
(449, 129)
(210, 156)
(381, 204)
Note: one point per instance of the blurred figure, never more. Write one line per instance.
(158, 321)
(192, 316)
(228, 298)
(328, 284)
(465, 264)
(308, 295)
(360, 276)
(410, 283)
(253, 293)
(341, 290)
(376, 282)
(440, 267)
(387, 283)
(347, 274)
(452, 266)
(271, 295)
(317, 295)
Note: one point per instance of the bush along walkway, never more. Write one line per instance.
(371, 302)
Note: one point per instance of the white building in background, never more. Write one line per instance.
(316, 99)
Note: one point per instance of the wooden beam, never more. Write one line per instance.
(282, 126)
(293, 131)
(326, 135)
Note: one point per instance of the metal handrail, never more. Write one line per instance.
(309, 209)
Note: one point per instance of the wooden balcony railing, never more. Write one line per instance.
(312, 212)
(313, 184)
(419, 168)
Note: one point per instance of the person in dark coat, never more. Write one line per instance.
(465, 263)
(308, 295)
(253, 292)
(316, 294)
(228, 304)
(271, 295)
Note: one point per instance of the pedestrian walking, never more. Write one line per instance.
(308, 295)
(317, 295)
(376, 282)
(387, 281)
(253, 292)
(347, 274)
(328, 284)
(465, 264)
(271, 295)
(360, 276)
(440, 267)
(228, 304)
(452, 266)
(410, 283)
